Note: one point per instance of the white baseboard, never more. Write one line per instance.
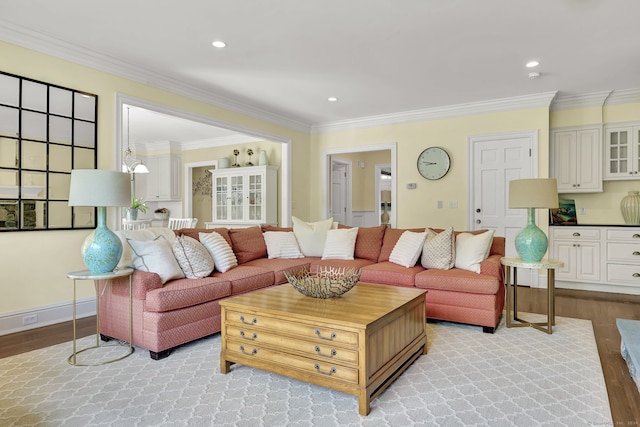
(47, 315)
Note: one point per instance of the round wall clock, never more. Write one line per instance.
(433, 163)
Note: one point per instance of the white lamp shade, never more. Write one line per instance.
(96, 187)
(533, 193)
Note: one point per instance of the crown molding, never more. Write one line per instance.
(569, 102)
(625, 96)
(219, 142)
(23, 37)
(543, 99)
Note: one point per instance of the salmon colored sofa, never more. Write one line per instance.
(183, 310)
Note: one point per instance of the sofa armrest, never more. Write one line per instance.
(492, 267)
(142, 283)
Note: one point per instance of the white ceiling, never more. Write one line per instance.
(286, 57)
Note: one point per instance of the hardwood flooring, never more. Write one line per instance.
(601, 308)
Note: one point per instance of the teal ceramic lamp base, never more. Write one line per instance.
(531, 242)
(102, 249)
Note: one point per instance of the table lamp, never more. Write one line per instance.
(531, 242)
(102, 249)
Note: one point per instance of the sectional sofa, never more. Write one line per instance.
(166, 315)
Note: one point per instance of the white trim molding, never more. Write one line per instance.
(13, 322)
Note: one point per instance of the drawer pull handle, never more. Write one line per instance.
(331, 371)
(333, 335)
(253, 322)
(636, 253)
(636, 236)
(333, 352)
(253, 352)
(576, 234)
(253, 337)
(636, 274)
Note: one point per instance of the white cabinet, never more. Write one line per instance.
(622, 152)
(163, 181)
(579, 249)
(577, 160)
(245, 196)
(623, 256)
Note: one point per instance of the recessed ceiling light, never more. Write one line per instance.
(219, 44)
(532, 64)
(332, 99)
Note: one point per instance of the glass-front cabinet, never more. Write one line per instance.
(622, 152)
(245, 196)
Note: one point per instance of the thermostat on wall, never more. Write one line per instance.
(411, 186)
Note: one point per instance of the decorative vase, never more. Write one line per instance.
(101, 249)
(263, 160)
(531, 242)
(384, 218)
(223, 163)
(630, 207)
(131, 214)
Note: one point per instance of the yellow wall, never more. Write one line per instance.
(417, 208)
(34, 263)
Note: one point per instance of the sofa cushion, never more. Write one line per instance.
(391, 236)
(337, 263)
(266, 228)
(458, 280)
(472, 249)
(279, 266)
(221, 252)
(388, 273)
(182, 293)
(439, 250)
(408, 248)
(193, 258)
(156, 256)
(248, 243)
(282, 244)
(126, 260)
(245, 278)
(340, 243)
(311, 235)
(369, 242)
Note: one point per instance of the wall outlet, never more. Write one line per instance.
(439, 204)
(583, 211)
(30, 319)
(453, 204)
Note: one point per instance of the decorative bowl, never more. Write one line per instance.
(161, 215)
(326, 282)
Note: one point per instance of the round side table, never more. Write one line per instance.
(512, 297)
(106, 279)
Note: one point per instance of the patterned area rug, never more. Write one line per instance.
(516, 377)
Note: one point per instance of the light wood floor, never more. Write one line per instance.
(601, 308)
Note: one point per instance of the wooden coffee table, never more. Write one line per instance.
(358, 343)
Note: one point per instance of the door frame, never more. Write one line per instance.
(326, 173)
(377, 172)
(348, 187)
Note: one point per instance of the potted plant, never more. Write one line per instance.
(137, 204)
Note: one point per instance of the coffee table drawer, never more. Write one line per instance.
(319, 350)
(319, 368)
(328, 335)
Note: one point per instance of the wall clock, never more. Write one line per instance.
(433, 163)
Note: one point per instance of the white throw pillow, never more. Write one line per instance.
(340, 243)
(156, 256)
(282, 244)
(439, 250)
(127, 258)
(222, 254)
(193, 257)
(311, 235)
(472, 249)
(407, 249)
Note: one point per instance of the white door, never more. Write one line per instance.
(497, 160)
(339, 192)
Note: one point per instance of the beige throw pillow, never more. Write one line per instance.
(340, 243)
(193, 257)
(282, 244)
(439, 250)
(156, 256)
(311, 235)
(472, 249)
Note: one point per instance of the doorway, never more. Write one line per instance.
(496, 160)
(341, 185)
